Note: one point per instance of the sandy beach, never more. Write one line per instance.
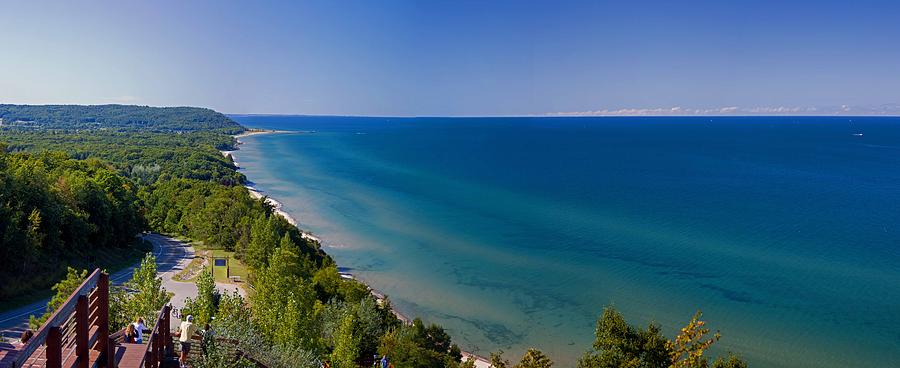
(256, 194)
(257, 132)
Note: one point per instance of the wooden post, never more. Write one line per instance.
(156, 346)
(170, 346)
(148, 357)
(81, 331)
(110, 353)
(54, 348)
(160, 348)
(103, 311)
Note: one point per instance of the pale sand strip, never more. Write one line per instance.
(256, 194)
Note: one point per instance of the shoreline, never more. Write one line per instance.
(480, 361)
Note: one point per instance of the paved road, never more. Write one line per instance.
(182, 255)
(182, 290)
(171, 257)
(179, 255)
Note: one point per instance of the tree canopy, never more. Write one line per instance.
(117, 118)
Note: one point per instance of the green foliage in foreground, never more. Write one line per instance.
(619, 344)
(205, 305)
(235, 332)
(533, 358)
(420, 346)
(141, 297)
(63, 289)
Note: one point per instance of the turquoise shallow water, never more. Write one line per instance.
(515, 232)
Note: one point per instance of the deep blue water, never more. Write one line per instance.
(516, 232)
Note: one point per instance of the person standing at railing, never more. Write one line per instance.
(130, 335)
(26, 335)
(185, 332)
(139, 329)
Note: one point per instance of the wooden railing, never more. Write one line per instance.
(155, 348)
(159, 340)
(79, 325)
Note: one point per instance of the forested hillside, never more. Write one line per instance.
(144, 143)
(116, 118)
(56, 211)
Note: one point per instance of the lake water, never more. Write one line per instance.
(516, 232)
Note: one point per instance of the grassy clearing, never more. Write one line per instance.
(237, 268)
(205, 255)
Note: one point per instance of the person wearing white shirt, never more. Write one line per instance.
(139, 328)
(185, 332)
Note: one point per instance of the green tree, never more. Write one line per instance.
(686, 351)
(284, 303)
(346, 347)
(420, 346)
(144, 298)
(534, 358)
(233, 308)
(468, 363)
(263, 241)
(149, 295)
(203, 307)
(618, 344)
(732, 361)
(497, 360)
(58, 212)
(64, 288)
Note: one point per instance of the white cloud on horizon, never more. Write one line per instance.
(887, 109)
(126, 99)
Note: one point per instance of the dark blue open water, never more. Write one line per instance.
(515, 232)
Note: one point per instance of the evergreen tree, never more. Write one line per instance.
(346, 347)
(263, 241)
(283, 304)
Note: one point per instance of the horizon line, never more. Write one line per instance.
(566, 116)
(889, 110)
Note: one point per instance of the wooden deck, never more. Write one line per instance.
(8, 353)
(130, 355)
(77, 335)
(69, 359)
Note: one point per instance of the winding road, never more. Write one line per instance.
(172, 256)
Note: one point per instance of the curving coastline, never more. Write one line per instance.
(480, 361)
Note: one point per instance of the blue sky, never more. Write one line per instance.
(452, 57)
